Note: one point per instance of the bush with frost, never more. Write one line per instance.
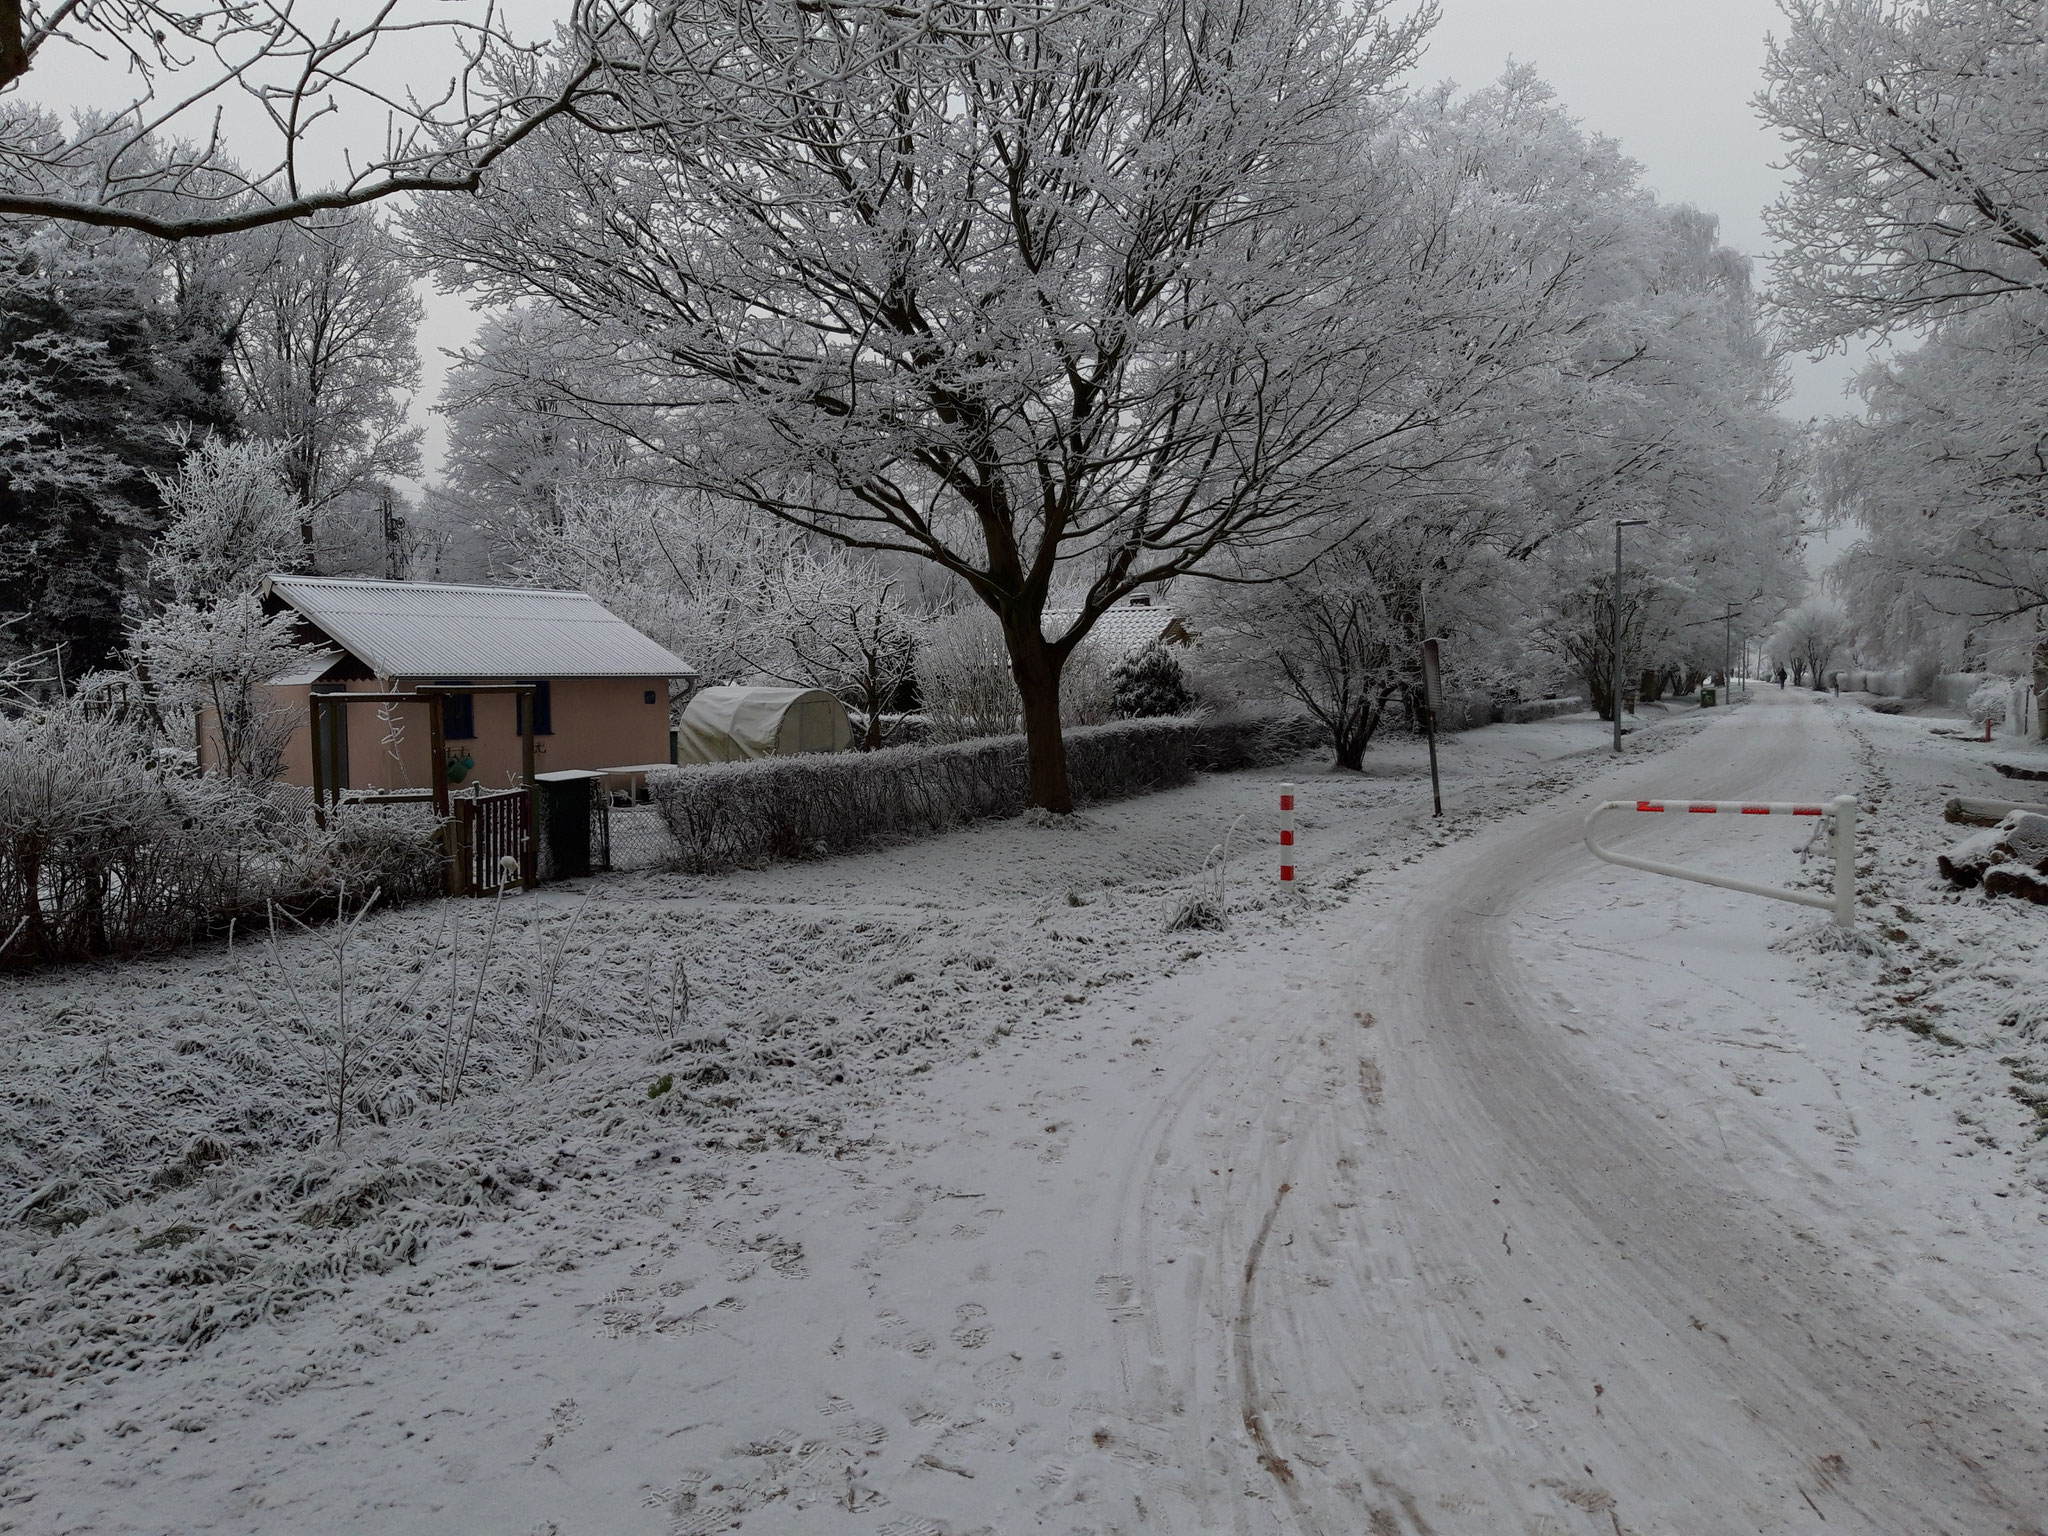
(106, 848)
(1988, 701)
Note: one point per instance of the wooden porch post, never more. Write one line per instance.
(319, 778)
(525, 698)
(437, 755)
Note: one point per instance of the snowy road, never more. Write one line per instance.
(1495, 1192)
(1487, 1244)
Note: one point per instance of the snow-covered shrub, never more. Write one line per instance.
(724, 814)
(1088, 688)
(105, 849)
(963, 676)
(1148, 683)
(1988, 701)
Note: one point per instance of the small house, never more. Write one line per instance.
(599, 689)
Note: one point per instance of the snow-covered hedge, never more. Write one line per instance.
(726, 814)
(104, 850)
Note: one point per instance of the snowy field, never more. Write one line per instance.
(1479, 1187)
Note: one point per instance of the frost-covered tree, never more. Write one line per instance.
(1578, 627)
(1944, 473)
(834, 619)
(964, 678)
(1913, 132)
(324, 361)
(1050, 297)
(1341, 639)
(695, 572)
(1918, 207)
(204, 653)
(207, 665)
(232, 521)
(519, 436)
(110, 362)
(1812, 634)
(1631, 376)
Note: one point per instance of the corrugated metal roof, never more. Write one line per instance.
(310, 670)
(1126, 628)
(418, 629)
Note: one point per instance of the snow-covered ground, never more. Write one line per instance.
(1478, 1188)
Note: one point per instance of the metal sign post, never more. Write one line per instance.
(1619, 524)
(1432, 701)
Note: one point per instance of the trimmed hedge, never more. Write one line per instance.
(727, 814)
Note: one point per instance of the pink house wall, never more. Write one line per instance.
(599, 722)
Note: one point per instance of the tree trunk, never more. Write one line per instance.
(872, 742)
(1600, 689)
(1037, 673)
(2040, 677)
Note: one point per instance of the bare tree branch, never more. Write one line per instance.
(161, 164)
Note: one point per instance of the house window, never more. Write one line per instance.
(458, 710)
(543, 709)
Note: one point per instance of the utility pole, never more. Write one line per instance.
(1432, 693)
(1619, 524)
(394, 529)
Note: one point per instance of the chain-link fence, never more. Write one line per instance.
(639, 838)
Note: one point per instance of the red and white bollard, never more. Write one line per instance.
(1287, 834)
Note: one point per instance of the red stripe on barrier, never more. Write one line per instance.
(1756, 810)
(1286, 871)
(1809, 810)
(1648, 805)
(1287, 802)
(1703, 810)
(1287, 837)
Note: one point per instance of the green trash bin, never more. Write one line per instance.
(567, 801)
(1706, 698)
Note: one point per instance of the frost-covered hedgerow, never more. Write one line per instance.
(727, 814)
(104, 849)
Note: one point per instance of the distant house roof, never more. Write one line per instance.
(424, 630)
(1125, 628)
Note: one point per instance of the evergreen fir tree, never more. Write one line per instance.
(1150, 682)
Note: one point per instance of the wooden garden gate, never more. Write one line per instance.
(489, 827)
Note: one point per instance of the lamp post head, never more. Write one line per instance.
(1631, 522)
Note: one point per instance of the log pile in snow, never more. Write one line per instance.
(1971, 811)
(2010, 859)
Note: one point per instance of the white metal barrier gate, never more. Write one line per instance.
(1842, 902)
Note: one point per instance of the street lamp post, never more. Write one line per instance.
(1619, 524)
